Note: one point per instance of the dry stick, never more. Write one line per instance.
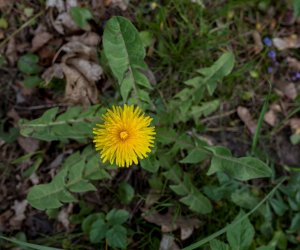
(21, 28)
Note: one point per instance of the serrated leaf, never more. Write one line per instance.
(195, 156)
(215, 73)
(244, 168)
(117, 216)
(240, 235)
(166, 135)
(197, 202)
(98, 231)
(71, 177)
(125, 53)
(73, 124)
(218, 245)
(205, 109)
(51, 195)
(117, 236)
(150, 164)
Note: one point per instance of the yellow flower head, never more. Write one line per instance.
(125, 136)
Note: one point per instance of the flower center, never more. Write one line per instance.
(123, 135)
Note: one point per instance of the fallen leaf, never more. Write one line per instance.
(288, 154)
(78, 89)
(11, 52)
(293, 63)
(152, 197)
(168, 243)
(88, 38)
(4, 218)
(92, 71)
(4, 3)
(63, 216)
(170, 222)
(122, 4)
(270, 117)
(55, 71)
(295, 125)
(39, 40)
(64, 24)
(19, 208)
(58, 4)
(28, 144)
(287, 89)
(290, 42)
(258, 45)
(246, 117)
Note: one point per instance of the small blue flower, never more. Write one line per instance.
(294, 78)
(297, 75)
(272, 54)
(270, 70)
(267, 41)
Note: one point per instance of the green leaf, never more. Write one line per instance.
(197, 202)
(73, 124)
(205, 109)
(51, 195)
(166, 135)
(28, 64)
(98, 231)
(89, 220)
(221, 68)
(80, 16)
(244, 168)
(71, 178)
(218, 245)
(296, 6)
(279, 240)
(150, 164)
(117, 216)
(125, 192)
(125, 53)
(193, 198)
(244, 199)
(146, 38)
(32, 81)
(117, 236)
(240, 236)
(266, 248)
(3, 23)
(195, 156)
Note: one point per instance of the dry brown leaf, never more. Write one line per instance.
(19, 208)
(287, 89)
(258, 45)
(169, 222)
(4, 217)
(246, 117)
(78, 89)
(88, 38)
(293, 63)
(79, 49)
(39, 40)
(11, 52)
(64, 24)
(168, 243)
(290, 42)
(4, 3)
(58, 4)
(92, 71)
(63, 216)
(295, 124)
(28, 144)
(55, 71)
(271, 118)
(122, 4)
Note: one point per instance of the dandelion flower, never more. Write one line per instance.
(125, 136)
